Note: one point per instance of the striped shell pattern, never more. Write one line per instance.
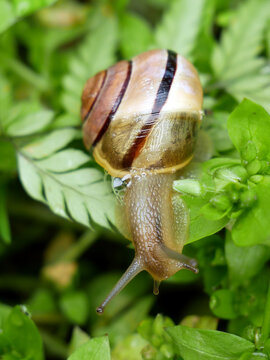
(143, 114)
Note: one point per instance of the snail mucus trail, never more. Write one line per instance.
(141, 118)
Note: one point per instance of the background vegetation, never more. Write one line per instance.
(61, 254)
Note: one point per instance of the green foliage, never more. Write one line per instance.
(181, 25)
(52, 263)
(74, 305)
(12, 10)
(136, 35)
(227, 189)
(208, 344)
(19, 338)
(90, 59)
(235, 60)
(55, 175)
(97, 348)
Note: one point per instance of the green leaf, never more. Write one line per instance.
(203, 47)
(7, 15)
(130, 348)
(135, 35)
(25, 7)
(78, 338)
(23, 335)
(90, 58)
(222, 304)
(54, 176)
(65, 160)
(193, 344)
(180, 26)
(188, 186)
(30, 123)
(42, 302)
(200, 226)
(26, 118)
(252, 227)
(244, 262)
(75, 306)
(4, 313)
(4, 222)
(234, 61)
(47, 145)
(10, 11)
(95, 349)
(249, 129)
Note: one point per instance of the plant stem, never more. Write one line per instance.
(4, 221)
(84, 242)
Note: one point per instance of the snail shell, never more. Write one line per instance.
(141, 117)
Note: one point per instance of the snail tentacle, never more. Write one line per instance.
(134, 269)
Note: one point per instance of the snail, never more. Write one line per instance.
(141, 118)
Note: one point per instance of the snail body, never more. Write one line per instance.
(141, 117)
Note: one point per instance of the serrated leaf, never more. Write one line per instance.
(66, 160)
(54, 196)
(193, 344)
(65, 120)
(90, 58)
(75, 206)
(30, 178)
(30, 123)
(204, 44)
(18, 111)
(180, 26)
(48, 144)
(57, 179)
(235, 61)
(241, 42)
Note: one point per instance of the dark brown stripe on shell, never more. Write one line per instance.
(91, 92)
(96, 98)
(115, 105)
(161, 97)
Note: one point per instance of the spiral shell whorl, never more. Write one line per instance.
(137, 113)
